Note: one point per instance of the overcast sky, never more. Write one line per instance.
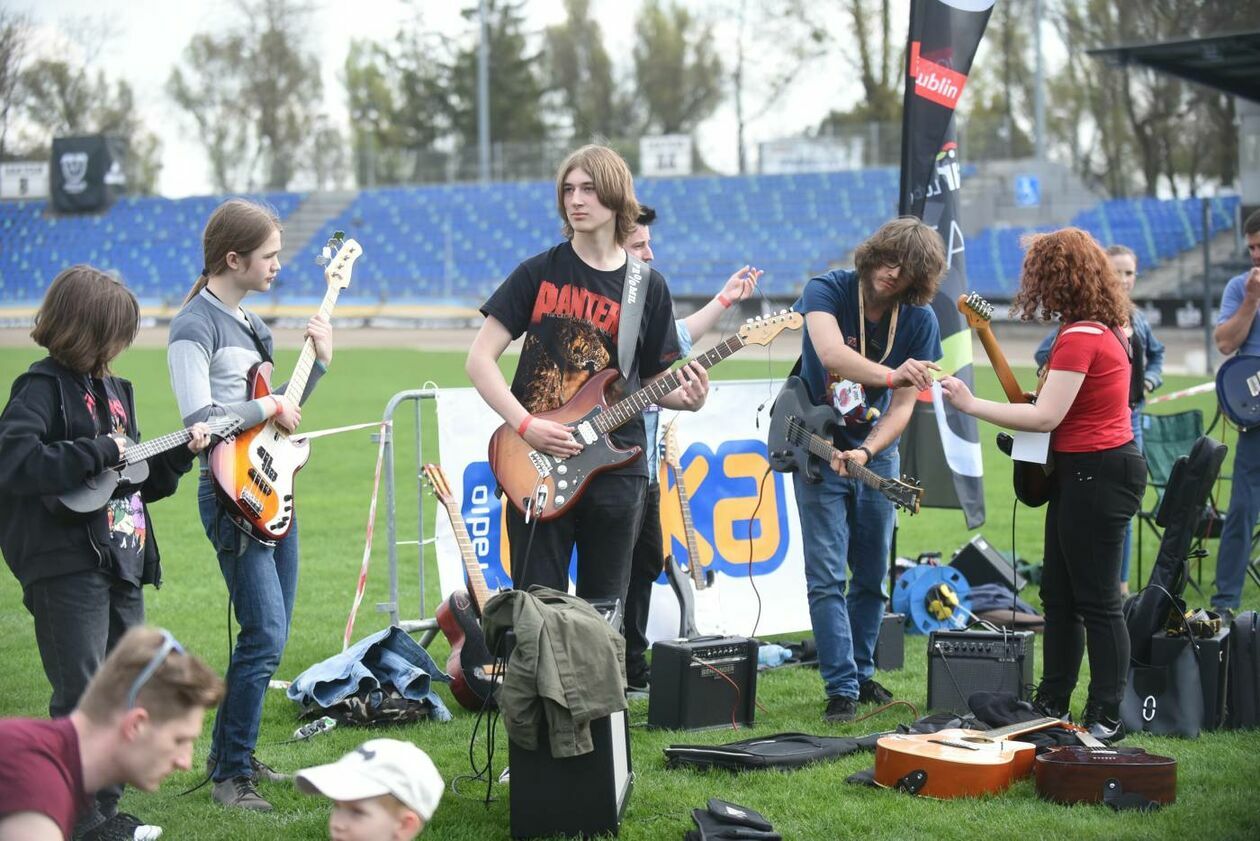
(149, 37)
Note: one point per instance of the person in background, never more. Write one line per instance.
(649, 550)
(1148, 368)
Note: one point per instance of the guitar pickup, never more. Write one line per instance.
(259, 482)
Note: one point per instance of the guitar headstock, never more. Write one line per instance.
(762, 330)
(338, 258)
(975, 309)
(225, 426)
(906, 494)
(436, 477)
(673, 453)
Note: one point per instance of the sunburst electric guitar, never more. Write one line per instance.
(700, 606)
(545, 485)
(253, 471)
(459, 616)
(1032, 481)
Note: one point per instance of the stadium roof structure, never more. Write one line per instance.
(1228, 63)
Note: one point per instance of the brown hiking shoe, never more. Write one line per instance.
(240, 793)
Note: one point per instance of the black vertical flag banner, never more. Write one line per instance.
(942, 451)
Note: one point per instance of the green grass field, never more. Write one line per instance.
(334, 489)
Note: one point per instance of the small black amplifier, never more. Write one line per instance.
(573, 796)
(1213, 668)
(890, 645)
(963, 662)
(703, 682)
(980, 563)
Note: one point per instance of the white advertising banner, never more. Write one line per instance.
(665, 155)
(745, 519)
(24, 180)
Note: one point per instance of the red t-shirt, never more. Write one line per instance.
(40, 770)
(1099, 417)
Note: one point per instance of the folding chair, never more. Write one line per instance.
(1165, 438)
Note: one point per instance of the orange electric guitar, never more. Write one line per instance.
(253, 471)
(954, 762)
(1032, 481)
(459, 616)
(547, 485)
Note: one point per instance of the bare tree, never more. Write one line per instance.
(15, 33)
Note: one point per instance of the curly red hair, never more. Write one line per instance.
(1067, 277)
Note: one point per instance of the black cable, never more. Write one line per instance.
(761, 490)
(1014, 567)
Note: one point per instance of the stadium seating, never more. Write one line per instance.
(456, 242)
(153, 243)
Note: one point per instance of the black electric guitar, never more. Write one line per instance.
(96, 491)
(1238, 390)
(459, 617)
(801, 439)
(1031, 481)
(700, 607)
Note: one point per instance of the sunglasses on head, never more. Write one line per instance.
(169, 644)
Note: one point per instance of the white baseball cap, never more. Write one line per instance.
(377, 767)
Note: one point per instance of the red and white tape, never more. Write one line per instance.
(1201, 388)
(367, 546)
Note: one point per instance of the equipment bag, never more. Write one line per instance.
(1244, 672)
(782, 750)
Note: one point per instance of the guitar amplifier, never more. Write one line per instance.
(1213, 668)
(572, 796)
(963, 662)
(890, 645)
(982, 564)
(703, 682)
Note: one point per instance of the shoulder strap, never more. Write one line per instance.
(633, 297)
(253, 327)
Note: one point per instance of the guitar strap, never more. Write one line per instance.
(633, 298)
(254, 323)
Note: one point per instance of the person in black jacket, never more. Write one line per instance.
(68, 419)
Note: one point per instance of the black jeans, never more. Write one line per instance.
(78, 619)
(602, 524)
(1092, 498)
(645, 568)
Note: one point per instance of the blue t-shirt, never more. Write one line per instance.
(918, 336)
(1230, 302)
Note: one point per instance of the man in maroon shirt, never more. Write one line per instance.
(136, 723)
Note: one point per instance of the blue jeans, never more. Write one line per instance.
(846, 625)
(1127, 552)
(1240, 522)
(262, 583)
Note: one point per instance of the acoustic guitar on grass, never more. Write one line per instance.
(253, 473)
(544, 486)
(1094, 772)
(459, 616)
(956, 762)
(1031, 481)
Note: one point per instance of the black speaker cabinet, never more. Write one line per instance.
(703, 682)
(580, 796)
(890, 646)
(963, 662)
(980, 563)
(1213, 669)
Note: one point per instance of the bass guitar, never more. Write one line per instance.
(459, 616)
(96, 491)
(1238, 390)
(956, 762)
(253, 473)
(1031, 481)
(545, 486)
(700, 607)
(1094, 772)
(801, 436)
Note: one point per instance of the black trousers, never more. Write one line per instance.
(645, 568)
(78, 619)
(603, 524)
(1092, 498)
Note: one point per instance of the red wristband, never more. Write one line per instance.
(724, 301)
(520, 430)
(279, 405)
(889, 380)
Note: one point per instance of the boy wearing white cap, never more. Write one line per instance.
(383, 790)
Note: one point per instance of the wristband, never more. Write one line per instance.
(724, 301)
(889, 381)
(520, 430)
(869, 454)
(279, 405)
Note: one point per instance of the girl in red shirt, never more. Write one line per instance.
(1099, 473)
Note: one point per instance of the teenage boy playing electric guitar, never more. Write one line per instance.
(567, 303)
